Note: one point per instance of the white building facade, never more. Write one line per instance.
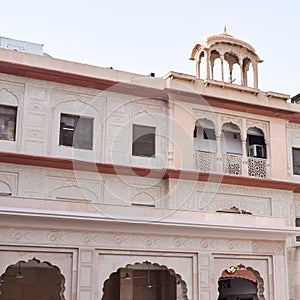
(116, 185)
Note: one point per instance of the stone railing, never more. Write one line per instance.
(257, 167)
(232, 164)
(206, 161)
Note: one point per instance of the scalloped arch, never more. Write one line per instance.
(233, 122)
(200, 55)
(209, 119)
(35, 262)
(233, 53)
(259, 127)
(259, 279)
(260, 283)
(143, 266)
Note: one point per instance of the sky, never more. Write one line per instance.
(157, 36)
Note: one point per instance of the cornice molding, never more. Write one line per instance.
(69, 164)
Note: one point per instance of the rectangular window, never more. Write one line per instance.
(143, 141)
(76, 131)
(209, 134)
(8, 117)
(297, 223)
(296, 161)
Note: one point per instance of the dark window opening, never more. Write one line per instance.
(195, 132)
(143, 141)
(209, 134)
(76, 131)
(297, 223)
(296, 161)
(237, 289)
(8, 117)
(256, 146)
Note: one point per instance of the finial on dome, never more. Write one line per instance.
(225, 30)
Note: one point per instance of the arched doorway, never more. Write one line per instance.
(240, 283)
(144, 281)
(32, 280)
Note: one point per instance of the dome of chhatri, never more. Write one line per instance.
(222, 38)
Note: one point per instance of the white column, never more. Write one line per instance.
(198, 61)
(255, 75)
(170, 155)
(219, 157)
(222, 66)
(242, 72)
(244, 148)
(244, 157)
(207, 58)
(219, 154)
(268, 171)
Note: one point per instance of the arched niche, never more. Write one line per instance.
(74, 192)
(5, 189)
(32, 280)
(144, 280)
(143, 199)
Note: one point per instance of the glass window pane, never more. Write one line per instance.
(8, 117)
(76, 131)
(143, 143)
(296, 161)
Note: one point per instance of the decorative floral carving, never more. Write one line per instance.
(206, 161)
(268, 247)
